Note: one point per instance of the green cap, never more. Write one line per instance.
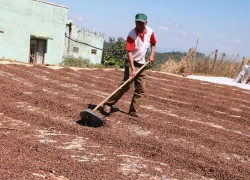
(141, 17)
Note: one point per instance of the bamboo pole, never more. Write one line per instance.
(195, 54)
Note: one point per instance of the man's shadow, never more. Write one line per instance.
(84, 121)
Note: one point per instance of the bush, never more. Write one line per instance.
(71, 61)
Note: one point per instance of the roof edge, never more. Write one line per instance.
(41, 36)
(53, 4)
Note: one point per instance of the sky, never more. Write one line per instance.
(177, 24)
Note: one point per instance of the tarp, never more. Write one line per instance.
(244, 75)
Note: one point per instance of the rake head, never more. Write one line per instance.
(91, 119)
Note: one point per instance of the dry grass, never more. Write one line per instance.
(209, 66)
(182, 67)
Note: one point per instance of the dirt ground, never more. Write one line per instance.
(192, 129)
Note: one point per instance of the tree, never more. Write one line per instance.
(114, 52)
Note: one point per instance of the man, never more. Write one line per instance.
(138, 41)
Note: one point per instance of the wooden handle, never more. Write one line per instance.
(123, 84)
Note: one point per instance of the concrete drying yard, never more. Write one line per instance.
(192, 129)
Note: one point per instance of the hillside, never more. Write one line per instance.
(161, 58)
(192, 129)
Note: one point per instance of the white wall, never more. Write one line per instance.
(19, 19)
(86, 41)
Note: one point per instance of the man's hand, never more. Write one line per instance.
(151, 58)
(132, 66)
(133, 73)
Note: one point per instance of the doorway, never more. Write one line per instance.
(37, 51)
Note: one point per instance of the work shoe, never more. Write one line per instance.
(107, 108)
(136, 114)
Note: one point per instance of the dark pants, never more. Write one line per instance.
(139, 83)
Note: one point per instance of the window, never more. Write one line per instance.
(75, 49)
(93, 51)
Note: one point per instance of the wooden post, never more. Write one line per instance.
(215, 55)
(223, 56)
(215, 59)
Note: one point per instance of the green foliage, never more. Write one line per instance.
(163, 57)
(114, 52)
(200, 55)
(71, 61)
(174, 55)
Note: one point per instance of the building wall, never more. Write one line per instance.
(84, 43)
(19, 19)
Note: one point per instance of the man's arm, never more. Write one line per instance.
(152, 47)
(152, 54)
(130, 46)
